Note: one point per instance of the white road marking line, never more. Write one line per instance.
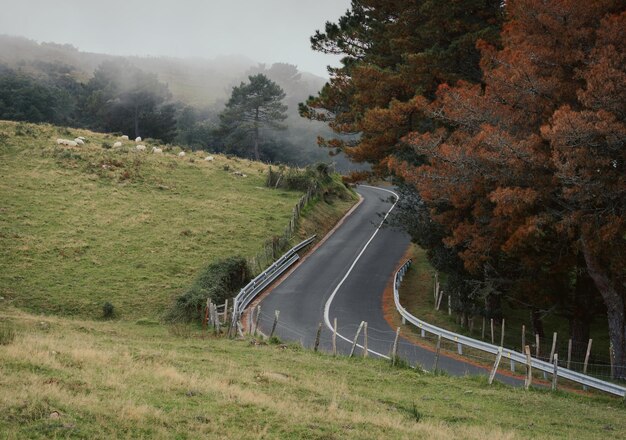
(358, 257)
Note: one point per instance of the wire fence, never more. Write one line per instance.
(275, 246)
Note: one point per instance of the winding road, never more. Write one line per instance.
(344, 278)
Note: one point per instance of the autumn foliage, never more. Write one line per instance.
(526, 172)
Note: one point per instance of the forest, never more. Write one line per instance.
(506, 134)
(172, 100)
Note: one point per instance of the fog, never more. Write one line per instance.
(266, 31)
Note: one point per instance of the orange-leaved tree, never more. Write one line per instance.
(525, 173)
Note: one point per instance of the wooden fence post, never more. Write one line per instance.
(335, 337)
(256, 320)
(555, 372)
(611, 360)
(317, 337)
(552, 350)
(365, 340)
(587, 359)
(206, 314)
(523, 337)
(483, 334)
(356, 336)
(537, 345)
(492, 340)
(502, 334)
(449, 305)
(495, 366)
(569, 353)
(226, 310)
(437, 352)
(394, 350)
(276, 314)
(529, 368)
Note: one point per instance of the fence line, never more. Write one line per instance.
(461, 340)
(274, 246)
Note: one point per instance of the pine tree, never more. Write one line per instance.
(251, 107)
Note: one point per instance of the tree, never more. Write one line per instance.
(251, 107)
(121, 97)
(525, 173)
(393, 51)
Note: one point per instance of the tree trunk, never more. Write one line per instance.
(136, 120)
(613, 296)
(535, 318)
(256, 135)
(583, 305)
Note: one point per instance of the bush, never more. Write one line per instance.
(108, 310)
(218, 281)
(7, 333)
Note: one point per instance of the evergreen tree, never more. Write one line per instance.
(252, 107)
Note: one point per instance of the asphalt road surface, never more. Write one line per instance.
(345, 279)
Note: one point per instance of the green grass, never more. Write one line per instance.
(125, 380)
(82, 226)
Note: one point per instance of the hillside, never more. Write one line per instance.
(82, 379)
(80, 226)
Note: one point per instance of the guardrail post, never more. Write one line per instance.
(356, 336)
(394, 350)
(335, 337)
(276, 314)
(437, 353)
(529, 368)
(555, 372)
(365, 340)
(495, 366)
(587, 359)
(317, 337)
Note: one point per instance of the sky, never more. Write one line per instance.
(266, 31)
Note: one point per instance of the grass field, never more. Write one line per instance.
(65, 378)
(82, 226)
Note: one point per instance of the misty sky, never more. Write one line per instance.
(264, 30)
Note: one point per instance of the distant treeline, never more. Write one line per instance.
(120, 97)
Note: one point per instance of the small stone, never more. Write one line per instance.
(55, 415)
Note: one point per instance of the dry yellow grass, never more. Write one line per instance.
(120, 380)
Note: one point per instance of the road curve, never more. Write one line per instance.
(345, 278)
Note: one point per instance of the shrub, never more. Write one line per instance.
(107, 145)
(219, 280)
(108, 310)
(7, 333)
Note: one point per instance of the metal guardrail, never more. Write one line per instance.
(265, 278)
(547, 367)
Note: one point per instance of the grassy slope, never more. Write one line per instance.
(122, 380)
(74, 234)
